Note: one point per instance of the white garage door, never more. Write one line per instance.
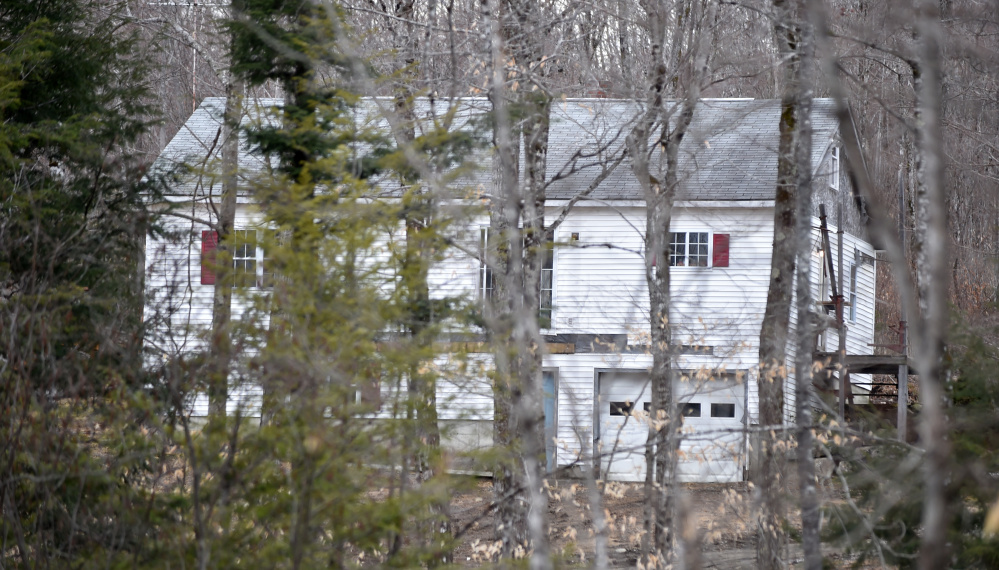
(712, 445)
(622, 436)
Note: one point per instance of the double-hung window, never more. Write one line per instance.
(853, 289)
(688, 249)
(834, 168)
(546, 292)
(244, 258)
(485, 271)
(247, 259)
(698, 249)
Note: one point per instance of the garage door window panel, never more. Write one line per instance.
(722, 410)
(691, 410)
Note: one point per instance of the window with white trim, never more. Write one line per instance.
(546, 295)
(853, 288)
(546, 292)
(834, 168)
(247, 259)
(485, 272)
(722, 410)
(245, 264)
(688, 249)
(698, 249)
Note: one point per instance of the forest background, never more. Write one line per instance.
(100, 464)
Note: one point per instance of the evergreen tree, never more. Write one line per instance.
(72, 101)
(885, 482)
(342, 324)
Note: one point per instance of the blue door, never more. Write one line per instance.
(548, 387)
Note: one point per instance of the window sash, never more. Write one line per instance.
(546, 289)
(248, 260)
(853, 292)
(834, 168)
(486, 285)
(546, 297)
(689, 249)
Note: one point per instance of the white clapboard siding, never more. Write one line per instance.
(457, 273)
(464, 391)
(575, 382)
(859, 334)
(599, 288)
(600, 281)
(178, 309)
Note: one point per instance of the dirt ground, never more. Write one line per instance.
(721, 513)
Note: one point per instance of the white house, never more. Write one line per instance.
(595, 371)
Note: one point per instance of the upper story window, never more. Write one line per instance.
(834, 168)
(247, 259)
(485, 272)
(688, 249)
(853, 289)
(244, 258)
(698, 249)
(546, 292)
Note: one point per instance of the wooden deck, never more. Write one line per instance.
(870, 363)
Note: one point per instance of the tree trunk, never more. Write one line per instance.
(808, 320)
(504, 252)
(221, 342)
(418, 212)
(769, 472)
(517, 228)
(677, 64)
(932, 279)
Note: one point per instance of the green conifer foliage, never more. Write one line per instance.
(71, 103)
(325, 480)
(885, 481)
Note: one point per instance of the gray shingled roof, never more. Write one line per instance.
(198, 144)
(730, 152)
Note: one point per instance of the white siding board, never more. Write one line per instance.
(464, 390)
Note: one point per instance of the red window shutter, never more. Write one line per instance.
(719, 257)
(209, 244)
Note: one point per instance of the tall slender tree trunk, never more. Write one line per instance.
(517, 229)
(221, 341)
(503, 253)
(677, 64)
(808, 320)
(769, 471)
(420, 243)
(932, 280)
(529, 343)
